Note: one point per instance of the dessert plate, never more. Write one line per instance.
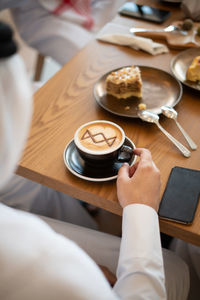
(77, 166)
(158, 88)
(180, 64)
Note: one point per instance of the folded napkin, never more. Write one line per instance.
(119, 34)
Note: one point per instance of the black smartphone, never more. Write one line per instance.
(181, 196)
(144, 12)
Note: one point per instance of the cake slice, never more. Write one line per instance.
(125, 83)
(193, 72)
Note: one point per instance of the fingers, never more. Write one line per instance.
(144, 154)
(126, 171)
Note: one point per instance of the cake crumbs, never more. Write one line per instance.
(142, 106)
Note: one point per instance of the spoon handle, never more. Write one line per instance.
(191, 143)
(144, 30)
(182, 148)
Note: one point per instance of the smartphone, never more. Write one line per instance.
(181, 196)
(144, 12)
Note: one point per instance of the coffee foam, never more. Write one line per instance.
(100, 137)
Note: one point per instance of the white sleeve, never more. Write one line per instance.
(140, 270)
(46, 265)
(37, 263)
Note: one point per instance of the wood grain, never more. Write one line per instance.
(66, 101)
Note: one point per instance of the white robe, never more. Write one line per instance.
(37, 263)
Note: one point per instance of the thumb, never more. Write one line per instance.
(123, 172)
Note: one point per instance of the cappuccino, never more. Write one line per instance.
(99, 137)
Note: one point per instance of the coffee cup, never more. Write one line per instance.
(101, 142)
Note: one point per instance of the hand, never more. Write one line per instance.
(139, 183)
(109, 275)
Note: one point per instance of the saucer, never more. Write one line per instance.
(77, 166)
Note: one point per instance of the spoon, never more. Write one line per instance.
(154, 118)
(169, 112)
(170, 28)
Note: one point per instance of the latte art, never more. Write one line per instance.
(95, 138)
(100, 137)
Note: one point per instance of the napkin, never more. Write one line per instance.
(120, 35)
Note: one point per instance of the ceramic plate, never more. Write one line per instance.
(77, 166)
(159, 88)
(180, 64)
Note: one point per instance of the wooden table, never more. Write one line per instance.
(66, 101)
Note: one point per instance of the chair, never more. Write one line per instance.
(39, 66)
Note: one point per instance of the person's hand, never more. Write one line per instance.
(139, 183)
(109, 275)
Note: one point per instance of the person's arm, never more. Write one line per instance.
(140, 273)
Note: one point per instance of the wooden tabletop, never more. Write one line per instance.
(66, 101)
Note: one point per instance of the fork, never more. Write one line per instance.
(170, 28)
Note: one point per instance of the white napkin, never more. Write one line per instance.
(119, 34)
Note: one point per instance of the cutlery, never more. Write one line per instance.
(170, 28)
(169, 112)
(154, 118)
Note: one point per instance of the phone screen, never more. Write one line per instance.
(144, 12)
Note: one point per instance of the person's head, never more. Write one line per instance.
(15, 105)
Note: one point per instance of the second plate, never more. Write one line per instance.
(181, 63)
(159, 88)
